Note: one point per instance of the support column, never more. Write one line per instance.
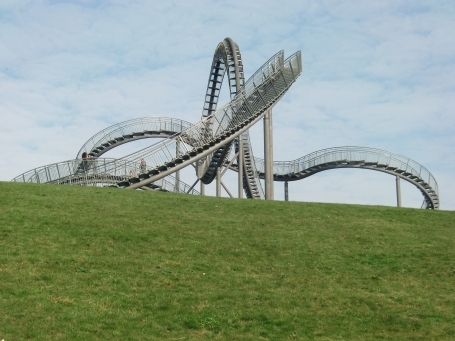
(268, 155)
(286, 191)
(177, 174)
(202, 190)
(240, 166)
(218, 182)
(398, 191)
(177, 181)
(272, 187)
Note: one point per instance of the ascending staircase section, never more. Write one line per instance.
(358, 157)
(259, 93)
(97, 172)
(227, 58)
(135, 129)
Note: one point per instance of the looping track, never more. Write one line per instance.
(227, 58)
(209, 141)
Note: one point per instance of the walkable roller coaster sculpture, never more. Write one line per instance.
(220, 141)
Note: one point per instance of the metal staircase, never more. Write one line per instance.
(193, 143)
(208, 142)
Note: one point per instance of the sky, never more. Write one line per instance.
(375, 74)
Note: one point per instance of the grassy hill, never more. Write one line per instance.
(106, 264)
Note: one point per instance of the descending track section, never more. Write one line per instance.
(362, 158)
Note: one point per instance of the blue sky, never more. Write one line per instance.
(375, 73)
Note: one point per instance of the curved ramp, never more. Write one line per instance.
(131, 130)
(362, 158)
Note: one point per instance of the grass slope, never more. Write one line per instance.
(106, 264)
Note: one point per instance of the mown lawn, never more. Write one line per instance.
(106, 264)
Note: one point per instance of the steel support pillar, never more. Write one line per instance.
(286, 191)
(218, 182)
(177, 174)
(268, 155)
(202, 190)
(240, 166)
(226, 189)
(177, 181)
(398, 191)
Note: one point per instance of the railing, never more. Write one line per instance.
(96, 172)
(139, 125)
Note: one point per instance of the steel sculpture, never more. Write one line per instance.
(208, 144)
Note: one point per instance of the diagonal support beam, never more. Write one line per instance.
(229, 164)
(225, 188)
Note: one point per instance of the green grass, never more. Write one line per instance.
(106, 264)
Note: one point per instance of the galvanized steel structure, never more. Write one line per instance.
(221, 132)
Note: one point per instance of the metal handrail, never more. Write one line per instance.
(95, 172)
(353, 153)
(134, 126)
(368, 156)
